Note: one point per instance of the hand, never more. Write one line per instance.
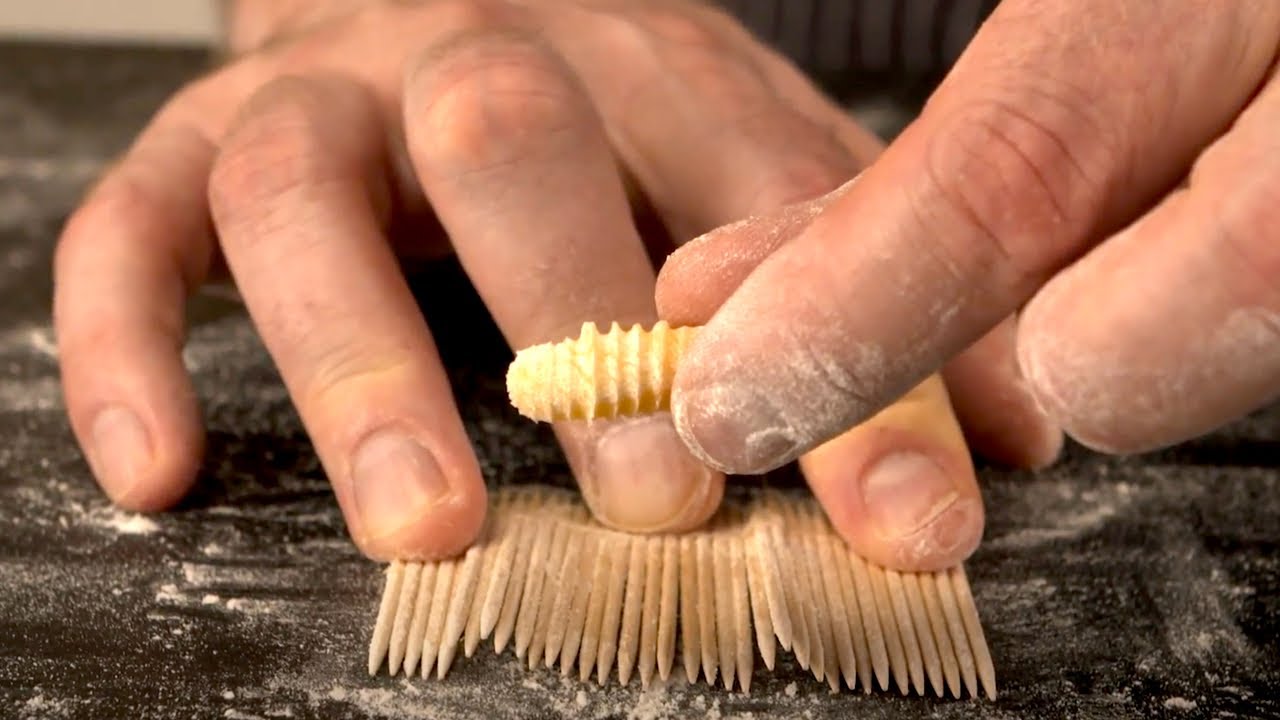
(521, 132)
(1113, 166)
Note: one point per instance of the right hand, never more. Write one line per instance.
(1096, 181)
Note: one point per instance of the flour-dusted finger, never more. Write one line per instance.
(1171, 328)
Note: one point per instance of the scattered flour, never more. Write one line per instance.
(507, 692)
(654, 704)
(169, 594)
(37, 337)
(27, 394)
(1072, 520)
(1198, 624)
(42, 169)
(38, 706)
(121, 522)
(252, 606)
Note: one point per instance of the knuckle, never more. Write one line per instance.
(625, 36)
(476, 15)
(193, 102)
(692, 46)
(489, 100)
(119, 198)
(681, 27)
(1013, 182)
(334, 363)
(341, 370)
(274, 149)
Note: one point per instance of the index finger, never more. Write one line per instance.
(1048, 133)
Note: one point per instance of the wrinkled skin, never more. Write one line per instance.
(1097, 178)
(526, 137)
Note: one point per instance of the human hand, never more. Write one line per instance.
(1113, 166)
(343, 135)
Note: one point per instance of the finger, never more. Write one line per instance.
(516, 164)
(1001, 417)
(125, 264)
(900, 487)
(696, 122)
(299, 197)
(699, 276)
(1171, 328)
(1020, 159)
(995, 406)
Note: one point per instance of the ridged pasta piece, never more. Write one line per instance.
(769, 574)
(598, 375)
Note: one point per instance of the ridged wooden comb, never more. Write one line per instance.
(768, 572)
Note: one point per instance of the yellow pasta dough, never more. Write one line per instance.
(598, 375)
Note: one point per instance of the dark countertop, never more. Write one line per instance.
(1145, 587)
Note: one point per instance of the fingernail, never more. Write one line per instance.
(121, 450)
(395, 480)
(905, 491)
(912, 502)
(733, 431)
(646, 480)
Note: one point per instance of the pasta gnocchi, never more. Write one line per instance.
(598, 375)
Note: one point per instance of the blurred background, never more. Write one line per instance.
(162, 22)
(883, 98)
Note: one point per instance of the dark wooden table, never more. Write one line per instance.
(1144, 587)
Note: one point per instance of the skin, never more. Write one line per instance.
(1095, 183)
(534, 140)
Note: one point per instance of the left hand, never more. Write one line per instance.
(529, 132)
